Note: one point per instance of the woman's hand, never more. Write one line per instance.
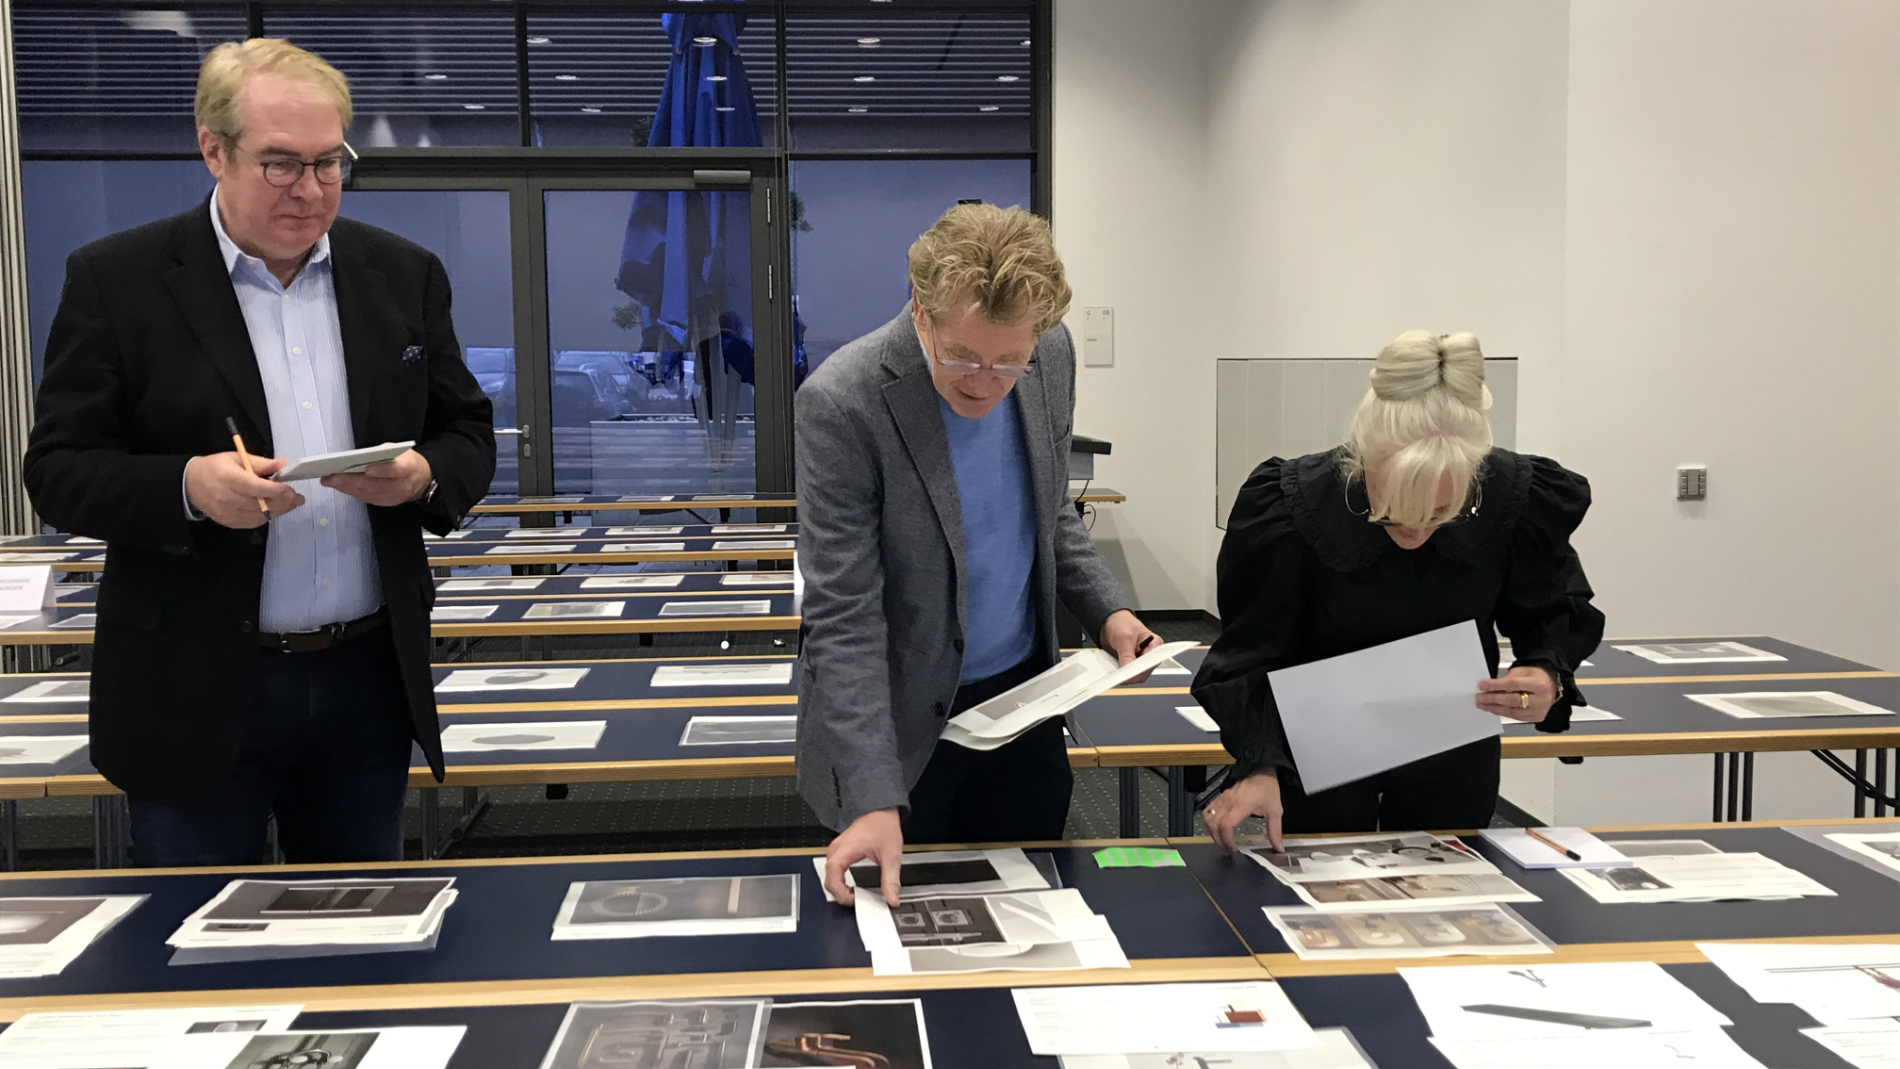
(1525, 693)
(1256, 796)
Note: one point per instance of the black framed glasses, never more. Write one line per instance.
(1464, 514)
(286, 171)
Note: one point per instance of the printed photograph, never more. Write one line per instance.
(449, 614)
(473, 679)
(203, 1028)
(1660, 847)
(1357, 857)
(739, 730)
(1700, 653)
(552, 735)
(305, 1050)
(1883, 848)
(946, 922)
(989, 956)
(39, 749)
(271, 900)
(1489, 927)
(632, 582)
(38, 921)
(716, 608)
(1411, 889)
(54, 690)
(1805, 703)
(660, 1035)
(710, 898)
(968, 875)
(574, 610)
(522, 583)
(859, 1035)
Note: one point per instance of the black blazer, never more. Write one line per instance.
(146, 357)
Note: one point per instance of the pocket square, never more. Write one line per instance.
(412, 354)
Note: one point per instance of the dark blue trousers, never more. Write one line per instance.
(326, 750)
(1018, 792)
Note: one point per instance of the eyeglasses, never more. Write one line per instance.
(1468, 512)
(1013, 372)
(286, 171)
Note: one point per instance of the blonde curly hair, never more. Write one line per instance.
(999, 259)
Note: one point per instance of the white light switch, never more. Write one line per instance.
(1098, 336)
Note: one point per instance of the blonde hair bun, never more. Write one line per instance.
(1418, 362)
(1423, 421)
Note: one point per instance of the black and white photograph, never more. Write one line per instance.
(756, 579)
(958, 872)
(48, 750)
(988, 957)
(478, 679)
(863, 1034)
(643, 532)
(53, 690)
(633, 582)
(537, 735)
(1435, 888)
(761, 543)
(38, 921)
(1661, 847)
(726, 1033)
(1763, 705)
(1700, 653)
(470, 586)
(643, 547)
(740, 731)
(274, 900)
(522, 549)
(216, 1028)
(711, 903)
(747, 528)
(461, 614)
(1319, 934)
(947, 922)
(715, 608)
(1359, 856)
(1883, 848)
(575, 610)
(723, 674)
(306, 1050)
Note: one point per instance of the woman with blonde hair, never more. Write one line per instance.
(1416, 523)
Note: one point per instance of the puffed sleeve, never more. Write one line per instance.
(1545, 608)
(1264, 580)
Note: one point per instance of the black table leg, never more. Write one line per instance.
(1130, 803)
(1860, 775)
(1748, 785)
(1180, 803)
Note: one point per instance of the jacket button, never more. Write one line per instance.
(256, 539)
(959, 645)
(245, 627)
(939, 709)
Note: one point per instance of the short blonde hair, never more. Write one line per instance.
(222, 76)
(1425, 417)
(1000, 259)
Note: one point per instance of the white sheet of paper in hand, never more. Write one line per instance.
(1050, 694)
(1233, 1017)
(1359, 714)
(348, 460)
(1513, 1001)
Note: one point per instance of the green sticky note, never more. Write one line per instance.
(1137, 857)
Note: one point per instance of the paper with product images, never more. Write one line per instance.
(1760, 705)
(873, 1033)
(1359, 714)
(450, 614)
(1700, 653)
(54, 690)
(716, 608)
(756, 579)
(537, 735)
(1436, 889)
(506, 549)
(936, 873)
(1831, 982)
(111, 1039)
(457, 586)
(1156, 1018)
(1861, 1044)
(1020, 918)
(291, 913)
(463, 680)
(783, 543)
(1336, 1050)
(1555, 1001)
(729, 1033)
(1882, 847)
(409, 1047)
(703, 905)
(542, 532)
(1531, 853)
(1050, 694)
(664, 581)
(575, 610)
(1696, 878)
(644, 547)
(39, 749)
(41, 936)
(1351, 857)
(1706, 1048)
(643, 532)
(1197, 716)
(740, 731)
(723, 674)
(1411, 932)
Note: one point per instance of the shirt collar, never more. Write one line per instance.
(233, 256)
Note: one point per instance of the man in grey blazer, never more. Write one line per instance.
(935, 536)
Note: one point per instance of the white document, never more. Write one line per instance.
(83, 621)
(644, 497)
(981, 933)
(456, 586)
(1883, 848)
(724, 674)
(660, 581)
(82, 540)
(575, 610)
(643, 532)
(1579, 714)
(31, 556)
(748, 528)
(1700, 653)
(1555, 1001)
(756, 579)
(1768, 704)
(740, 731)
(1861, 1044)
(1528, 852)
(54, 690)
(785, 543)
(1660, 847)
(1696, 878)
(1172, 667)
(109, 1039)
(1359, 714)
(1336, 1050)
(1706, 1048)
(348, 460)
(542, 532)
(448, 614)
(716, 608)
(1411, 932)
(475, 679)
(15, 619)
(1197, 716)
(644, 547)
(539, 735)
(1351, 857)
(1831, 982)
(937, 873)
(41, 936)
(705, 905)
(1436, 889)
(39, 749)
(293, 913)
(413, 1047)
(1157, 1018)
(26, 589)
(1051, 694)
(507, 550)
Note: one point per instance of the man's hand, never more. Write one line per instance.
(1256, 796)
(218, 486)
(390, 483)
(877, 836)
(1525, 693)
(1127, 638)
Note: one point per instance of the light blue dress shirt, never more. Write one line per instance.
(320, 564)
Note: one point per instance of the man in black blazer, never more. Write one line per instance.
(262, 648)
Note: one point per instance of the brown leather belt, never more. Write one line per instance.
(323, 637)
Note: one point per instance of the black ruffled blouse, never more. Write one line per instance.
(1303, 577)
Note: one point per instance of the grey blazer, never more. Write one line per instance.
(881, 546)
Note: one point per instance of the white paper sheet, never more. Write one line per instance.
(317, 465)
(1351, 857)
(701, 905)
(457, 586)
(644, 497)
(575, 610)
(15, 619)
(941, 873)
(1700, 653)
(54, 690)
(39, 749)
(411, 1047)
(33, 556)
(711, 607)
(756, 579)
(1579, 714)
(342, 912)
(740, 731)
(643, 532)
(644, 547)
(83, 621)
(1359, 714)
(1883, 848)
(44, 935)
(464, 680)
(1037, 930)
(1635, 848)
(748, 528)
(505, 549)
(659, 581)
(1436, 889)
(1707, 1048)
(1412, 932)
(1830, 982)
(1197, 716)
(1861, 1044)
(1696, 878)
(1555, 1001)
(724, 674)
(534, 735)
(111, 1039)
(542, 532)
(1528, 852)
(1050, 694)
(1336, 1050)
(1776, 704)
(449, 614)
(1157, 1018)
(761, 543)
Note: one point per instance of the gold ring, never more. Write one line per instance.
(1523, 699)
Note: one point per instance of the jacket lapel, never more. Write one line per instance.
(201, 284)
(371, 342)
(912, 399)
(1032, 403)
